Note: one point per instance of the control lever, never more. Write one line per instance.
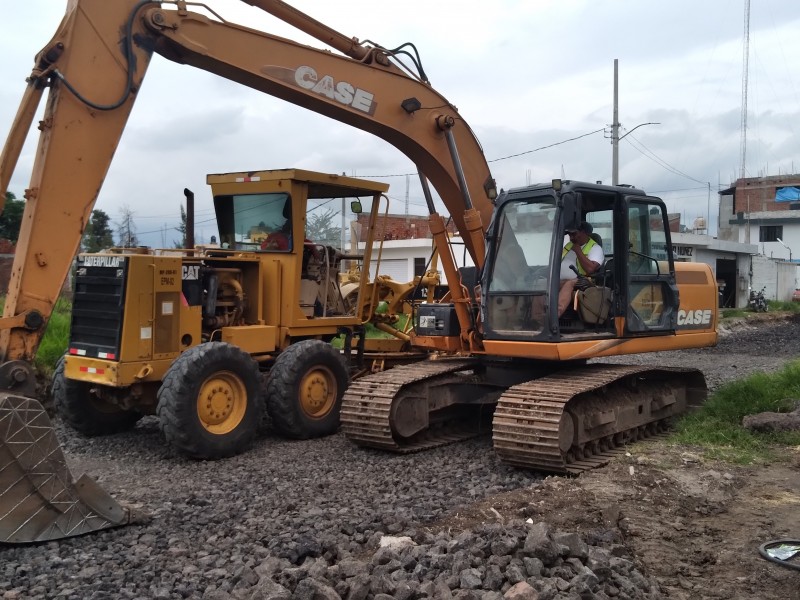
(583, 281)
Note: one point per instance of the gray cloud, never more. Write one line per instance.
(523, 74)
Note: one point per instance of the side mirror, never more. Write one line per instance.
(356, 208)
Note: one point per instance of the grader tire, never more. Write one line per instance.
(305, 390)
(209, 404)
(84, 411)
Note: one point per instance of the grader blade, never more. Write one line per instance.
(39, 501)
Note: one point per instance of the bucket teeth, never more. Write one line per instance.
(39, 501)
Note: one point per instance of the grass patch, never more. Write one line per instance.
(55, 339)
(790, 307)
(717, 428)
(774, 306)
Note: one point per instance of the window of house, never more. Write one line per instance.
(770, 233)
(419, 266)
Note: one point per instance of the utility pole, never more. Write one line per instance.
(615, 137)
(344, 221)
(615, 129)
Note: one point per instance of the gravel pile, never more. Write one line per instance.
(307, 519)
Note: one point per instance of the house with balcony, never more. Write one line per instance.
(765, 212)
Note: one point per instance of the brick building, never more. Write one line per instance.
(765, 212)
(399, 227)
(758, 210)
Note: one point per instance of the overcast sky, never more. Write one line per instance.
(524, 74)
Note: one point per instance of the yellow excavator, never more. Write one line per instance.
(495, 340)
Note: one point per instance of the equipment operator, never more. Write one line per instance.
(582, 256)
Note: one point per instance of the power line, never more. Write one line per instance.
(677, 190)
(548, 146)
(658, 160)
(539, 149)
(572, 139)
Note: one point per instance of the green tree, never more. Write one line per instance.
(322, 228)
(181, 243)
(11, 218)
(98, 235)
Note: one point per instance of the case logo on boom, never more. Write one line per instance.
(689, 318)
(342, 92)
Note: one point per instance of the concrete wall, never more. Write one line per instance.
(778, 277)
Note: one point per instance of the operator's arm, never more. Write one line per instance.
(588, 263)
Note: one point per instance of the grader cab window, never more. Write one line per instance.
(255, 221)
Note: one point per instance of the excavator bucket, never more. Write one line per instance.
(39, 501)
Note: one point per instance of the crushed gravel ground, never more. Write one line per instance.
(323, 519)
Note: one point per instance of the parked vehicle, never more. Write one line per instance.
(758, 301)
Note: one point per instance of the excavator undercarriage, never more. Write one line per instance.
(570, 421)
(566, 421)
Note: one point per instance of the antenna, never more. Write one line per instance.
(745, 72)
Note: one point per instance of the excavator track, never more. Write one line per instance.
(579, 418)
(366, 413)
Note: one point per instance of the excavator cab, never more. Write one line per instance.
(633, 293)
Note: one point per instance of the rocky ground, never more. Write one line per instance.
(323, 519)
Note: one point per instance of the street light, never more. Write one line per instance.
(615, 138)
(780, 241)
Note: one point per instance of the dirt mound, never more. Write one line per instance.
(694, 525)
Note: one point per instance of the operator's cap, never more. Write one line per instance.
(582, 226)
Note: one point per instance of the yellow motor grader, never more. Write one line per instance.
(186, 334)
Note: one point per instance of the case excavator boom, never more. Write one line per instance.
(93, 69)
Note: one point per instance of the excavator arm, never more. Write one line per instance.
(94, 67)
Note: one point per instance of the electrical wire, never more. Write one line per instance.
(647, 153)
(572, 139)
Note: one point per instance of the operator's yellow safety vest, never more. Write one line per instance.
(585, 248)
